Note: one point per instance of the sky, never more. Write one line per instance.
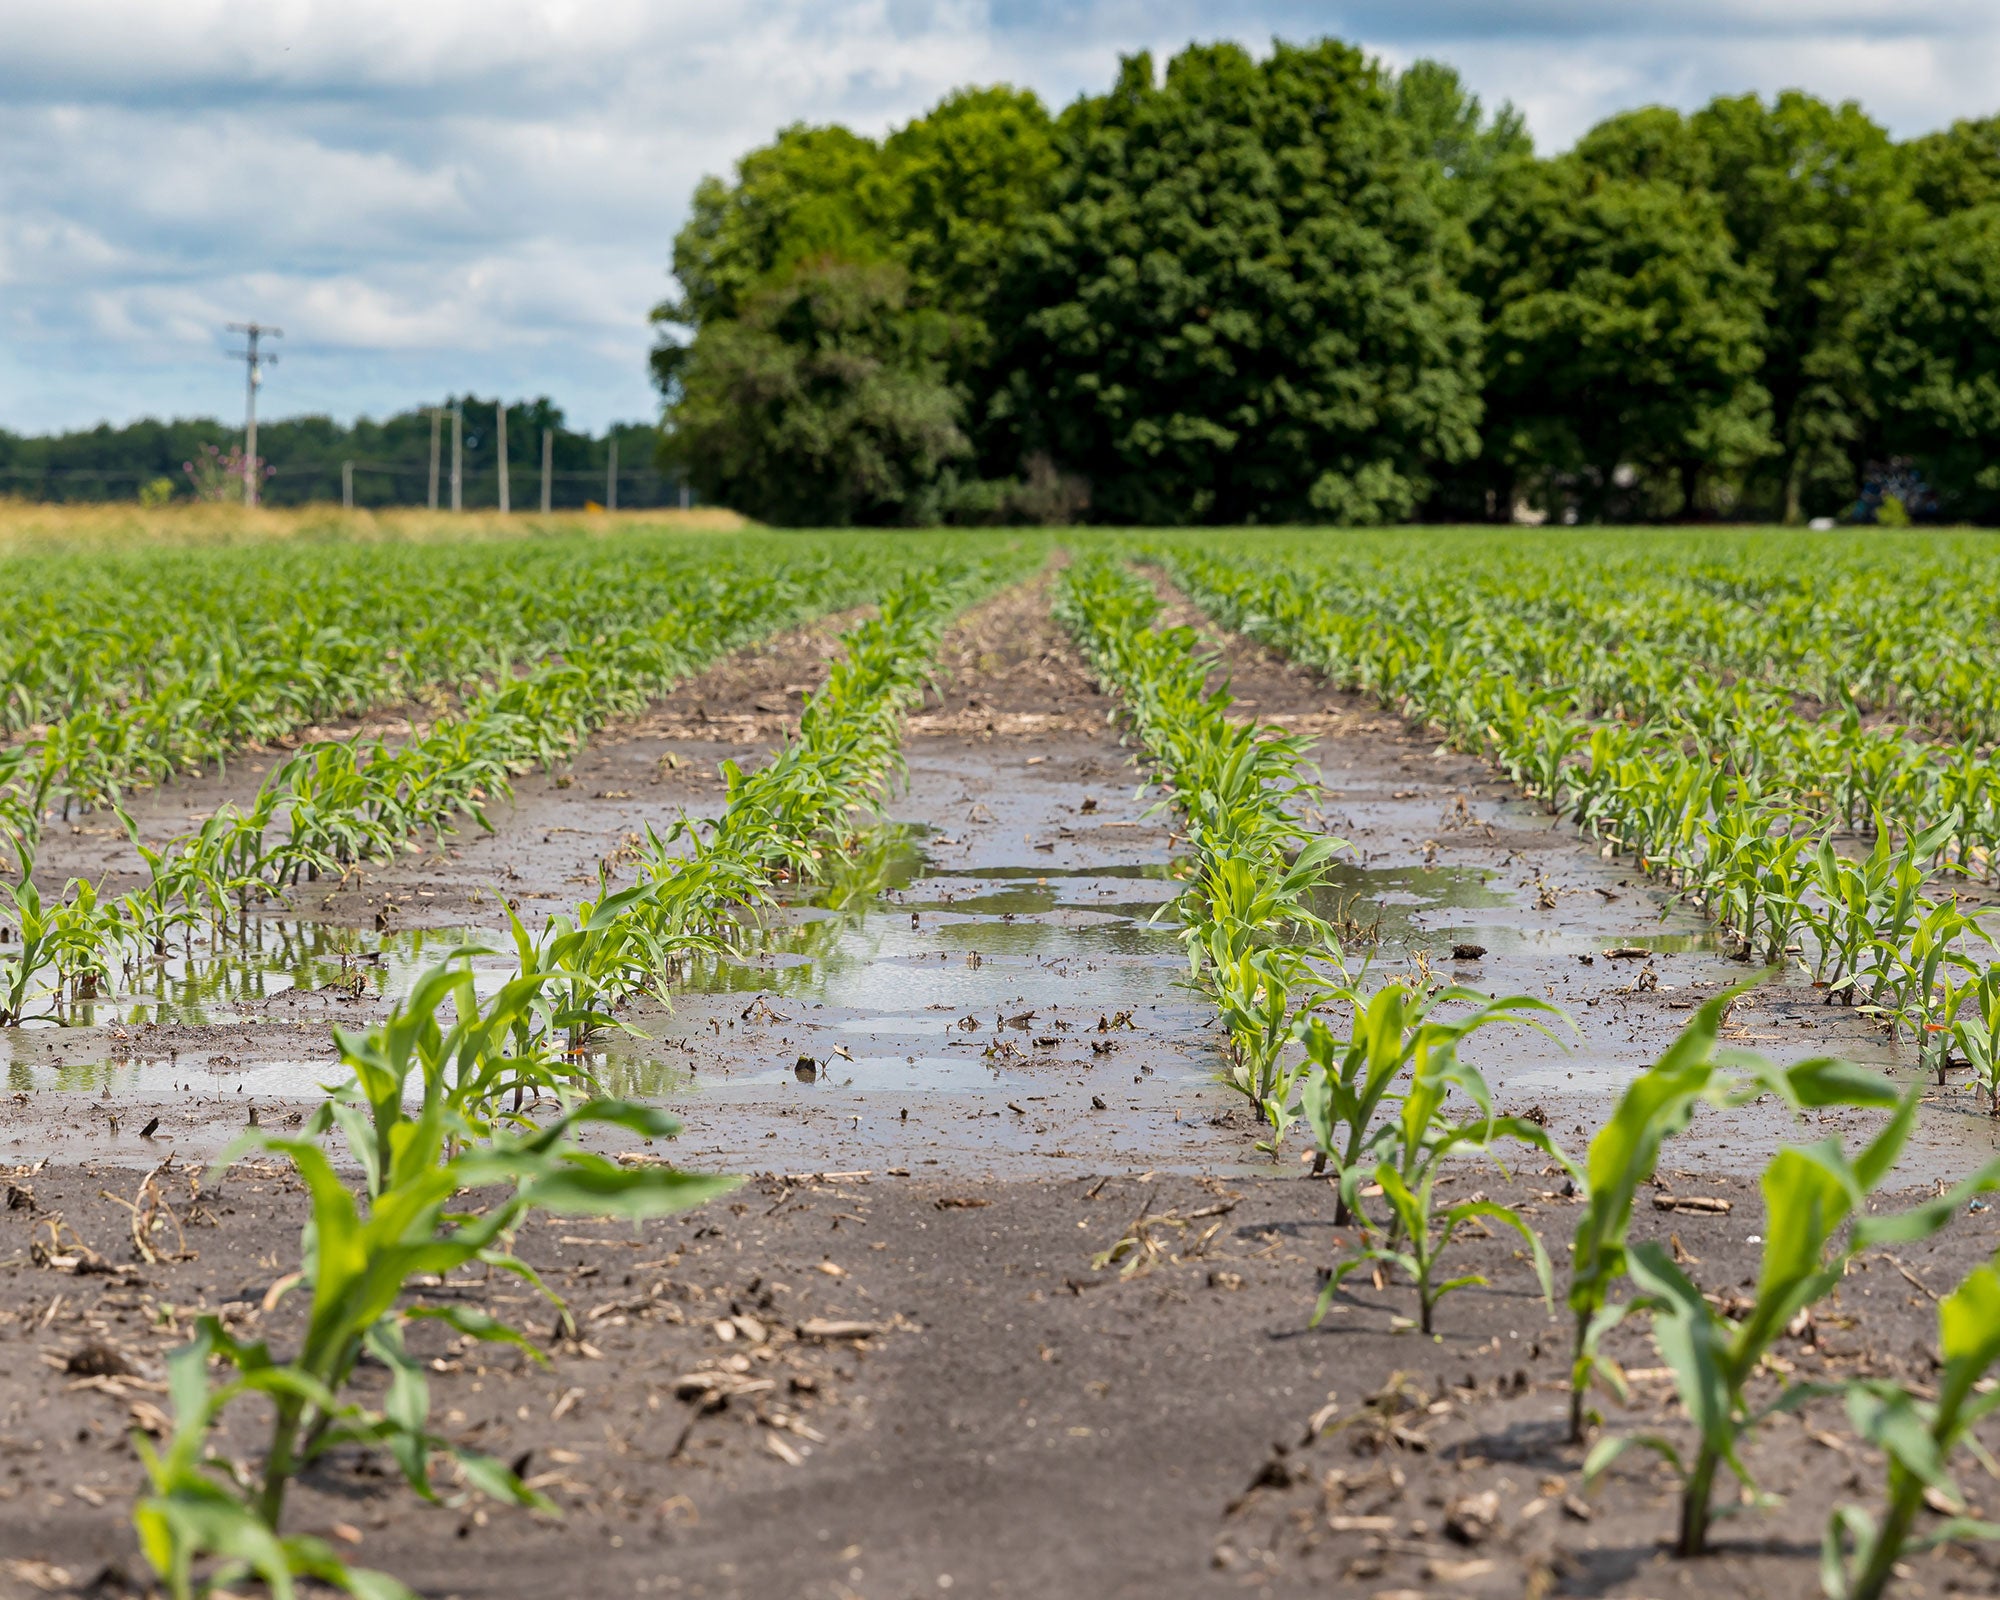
(481, 195)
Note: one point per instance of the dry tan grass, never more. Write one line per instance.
(27, 526)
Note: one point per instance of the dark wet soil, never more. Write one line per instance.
(1446, 854)
(1012, 1420)
(947, 1169)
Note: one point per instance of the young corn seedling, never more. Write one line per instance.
(33, 953)
(1918, 1437)
(1624, 1153)
(1811, 1192)
(1939, 981)
(1261, 994)
(20, 812)
(1976, 1030)
(1423, 1141)
(359, 1260)
(1352, 1085)
(462, 1071)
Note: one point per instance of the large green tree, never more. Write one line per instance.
(1452, 133)
(1242, 307)
(1622, 340)
(1655, 144)
(967, 177)
(826, 401)
(832, 314)
(809, 195)
(1933, 333)
(1818, 203)
(1957, 168)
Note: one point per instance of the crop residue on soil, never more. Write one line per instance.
(1012, 1306)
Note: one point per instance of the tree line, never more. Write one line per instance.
(304, 456)
(1306, 288)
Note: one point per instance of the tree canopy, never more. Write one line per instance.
(825, 400)
(1294, 285)
(1933, 331)
(1241, 306)
(1623, 337)
(1300, 286)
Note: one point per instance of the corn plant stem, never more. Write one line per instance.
(1695, 1497)
(280, 1460)
(1906, 1501)
(1578, 1377)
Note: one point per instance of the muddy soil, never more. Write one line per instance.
(1009, 1005)
(1448, 859)
(857, 1384)
(956, 1099)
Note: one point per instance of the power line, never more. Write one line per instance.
(253, 379)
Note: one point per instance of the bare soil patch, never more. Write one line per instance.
(996, 1410)
(1007, 670)
(1002, 1412)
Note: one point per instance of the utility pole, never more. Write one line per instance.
(437, 419)
(611, 477)
(253, 363)
(548, 455)
(458, 455)
(347, 486)
(500, 443)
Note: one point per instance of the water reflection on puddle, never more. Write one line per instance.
(882, 964)
(236, 976)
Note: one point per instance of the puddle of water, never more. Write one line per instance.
(889, 985)
(234, 978)
(223, 1078)
(1161, 870)
(1513, 938)
(960, 940)
(1392, 903)
(882, 962)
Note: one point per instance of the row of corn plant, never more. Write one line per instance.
(1712, 793)
(334, 804)
(1702, 784)
(1817, 1221)
(1381, 1098)
(159, 663)
(802, 818)
(1254, 942)
(432, 1115)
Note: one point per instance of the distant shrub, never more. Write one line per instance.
(217, 477)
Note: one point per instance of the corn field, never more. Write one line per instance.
(1793, 738)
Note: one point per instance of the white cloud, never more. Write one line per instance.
(483, 193)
